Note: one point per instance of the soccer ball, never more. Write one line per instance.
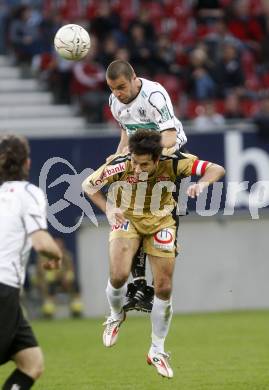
(72, 42)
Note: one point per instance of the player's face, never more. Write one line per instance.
(125, 90)
(143, 163)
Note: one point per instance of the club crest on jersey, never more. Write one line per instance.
(164, 239)
(162, 178)
(123, 226)
(142, 112)
(132, 179)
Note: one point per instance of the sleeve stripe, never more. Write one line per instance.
(199, 167)
(203, 169)
(193, 171)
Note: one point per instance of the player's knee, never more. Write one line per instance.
(163, 289)
(33, 368)
(123, 250)
(38, 370)
(119, 279)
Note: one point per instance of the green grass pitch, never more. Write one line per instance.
(218, 351)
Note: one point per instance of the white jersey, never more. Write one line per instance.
(22, 211)
(151, 109)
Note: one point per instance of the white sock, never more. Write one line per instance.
(115, 297)
(161, 316)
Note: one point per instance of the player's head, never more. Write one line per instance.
(122, 81)
(145, 148)
(14, 158)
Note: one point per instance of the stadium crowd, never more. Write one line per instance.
(211, 56)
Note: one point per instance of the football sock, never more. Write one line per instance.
(115, 297)
(161, 316)
(18, 380)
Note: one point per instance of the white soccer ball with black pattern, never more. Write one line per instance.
(72, 42)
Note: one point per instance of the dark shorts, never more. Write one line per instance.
(15, 332)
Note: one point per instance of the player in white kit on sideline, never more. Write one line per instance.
(23, 225)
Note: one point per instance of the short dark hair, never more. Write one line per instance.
(14, 152)
(119, 68)
(146, 142)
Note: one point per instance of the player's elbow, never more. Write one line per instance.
(220, 170)
(217, 171)
(86, 186)
(169, 138)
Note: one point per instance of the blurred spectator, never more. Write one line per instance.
(165, 56)
(109, 48)
(88, 86)
(60, 78)
(232, 107)
(141, 50)
(208, 11)
(105, 21)
(244, 25)
(214, 48)
(122, 54)
(52, 282)
(200, 82)
(24, 35)
(144, 20)
(4, 13)
(264, 54)
(207, 118)
(50, 23)
(217, 37)
(229, 73)
(261, 119)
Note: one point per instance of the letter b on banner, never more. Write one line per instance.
(236, 161)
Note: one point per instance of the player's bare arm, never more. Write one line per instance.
(213, 173)
(123, 144)
(44, 244)
(114, 215)
(122, 147)
(169, 138)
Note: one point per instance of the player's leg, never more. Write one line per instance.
(22, 347)
(29, 366)
(160, 248)
(136, 291)
(121, 253)
(139, 294)
(161, 315)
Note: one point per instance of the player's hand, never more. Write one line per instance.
(52, 264)
(196, 189)
(124, 151)
(110, 158)
(169, 151)
(115, 216)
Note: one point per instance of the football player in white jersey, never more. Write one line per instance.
(23, 225)
(135, 103)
